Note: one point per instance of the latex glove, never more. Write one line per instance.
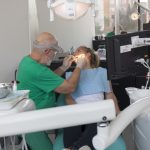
(81, 61)
(67, 62)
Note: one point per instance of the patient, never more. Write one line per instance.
(93, 86)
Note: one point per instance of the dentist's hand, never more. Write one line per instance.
(67, 62)
(81, 61)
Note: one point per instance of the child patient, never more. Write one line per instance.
(93, 86)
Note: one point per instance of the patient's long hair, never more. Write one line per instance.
(94, 61)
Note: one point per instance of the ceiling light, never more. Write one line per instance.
(69, 9)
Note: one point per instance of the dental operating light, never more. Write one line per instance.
(69, 9)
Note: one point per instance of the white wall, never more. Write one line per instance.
(13, 36)
(14, 32)
(69, 33)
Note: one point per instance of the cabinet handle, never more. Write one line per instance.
(115, 84)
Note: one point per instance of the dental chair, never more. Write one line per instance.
(119, 144)
(109, 126)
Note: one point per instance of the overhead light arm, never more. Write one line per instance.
(141, 6)
(135, 15)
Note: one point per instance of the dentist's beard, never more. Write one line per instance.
(50, 60)
(49, 63)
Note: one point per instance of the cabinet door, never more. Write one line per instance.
(119, 86)
(97, 44)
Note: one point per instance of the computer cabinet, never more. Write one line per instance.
(97, 44)
(119, 86)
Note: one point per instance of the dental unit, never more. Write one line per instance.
(54, 118)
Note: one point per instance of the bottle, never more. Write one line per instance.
(14, 86)
(71, 50)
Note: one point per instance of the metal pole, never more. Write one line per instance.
(117, 22)
(139, 20)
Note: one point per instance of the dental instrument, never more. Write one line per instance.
(146, 65)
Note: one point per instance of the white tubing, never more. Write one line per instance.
(126, 117)
(55, 118)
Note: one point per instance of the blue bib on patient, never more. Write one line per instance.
(92, 81)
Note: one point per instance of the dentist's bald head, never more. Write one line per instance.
(45, 41)
(45, 37)
(44, 48)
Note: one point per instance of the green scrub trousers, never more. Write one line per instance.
(38, 141)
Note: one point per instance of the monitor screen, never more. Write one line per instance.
(123, 50)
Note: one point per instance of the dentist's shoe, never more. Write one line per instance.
(85, 147)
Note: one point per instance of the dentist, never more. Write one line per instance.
(34, 75)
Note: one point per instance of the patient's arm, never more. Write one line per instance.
(111, 95)
(69, 100)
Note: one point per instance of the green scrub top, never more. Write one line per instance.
(40, 80)
(110, 34)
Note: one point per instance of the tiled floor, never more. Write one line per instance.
(128, 137)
